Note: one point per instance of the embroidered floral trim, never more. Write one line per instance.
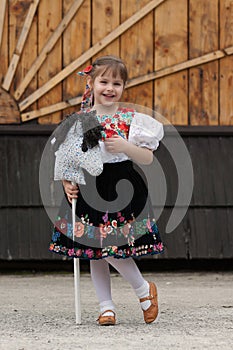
(98, 253)
(130, 229)
(108, 251)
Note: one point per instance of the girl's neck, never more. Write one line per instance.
(105, 109)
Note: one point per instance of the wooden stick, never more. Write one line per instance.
(136, 81)
(77, 293)
(176, 68)
(47, 48)
(2, 18)
(229, 50)
(50, 109)
(20, 45)
(89, 53)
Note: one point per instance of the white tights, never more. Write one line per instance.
(128, 269)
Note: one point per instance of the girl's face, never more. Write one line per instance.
(107, 89)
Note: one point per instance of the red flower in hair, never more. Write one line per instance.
(88, 69)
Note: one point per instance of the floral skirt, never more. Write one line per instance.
(114, 217)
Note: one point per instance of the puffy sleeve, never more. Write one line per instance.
(145, 131)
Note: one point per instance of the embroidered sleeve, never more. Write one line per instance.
(145, 131)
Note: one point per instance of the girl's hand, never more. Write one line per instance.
(116, 144)
(141, 155)
(70, 190)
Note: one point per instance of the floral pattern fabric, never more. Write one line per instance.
(131, 230)
(117, 124)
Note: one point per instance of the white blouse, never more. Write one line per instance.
(144, 131)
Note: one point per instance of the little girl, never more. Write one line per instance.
(106, 236)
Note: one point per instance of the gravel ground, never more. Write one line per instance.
(37, 312)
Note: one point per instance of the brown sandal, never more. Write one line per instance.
(152, 312)
(107, 320)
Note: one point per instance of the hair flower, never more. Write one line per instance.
(86, 70)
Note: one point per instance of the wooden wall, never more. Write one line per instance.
(179, 54)
(205, 232)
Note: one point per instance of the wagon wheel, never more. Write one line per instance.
(20, 102)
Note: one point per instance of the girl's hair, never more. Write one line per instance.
(109, 63)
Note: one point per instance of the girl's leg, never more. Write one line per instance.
(100, 275)
(129, 271)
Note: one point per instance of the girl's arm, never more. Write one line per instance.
(141, 155)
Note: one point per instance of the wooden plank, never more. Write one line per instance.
(4, 46)
(48, 22)
(177, 68)
(137, 51)
(18, 10)
(170, 93)
(209, 231)
(226, 91)
(105, 18)
(76, 40)
(212, 170)
(20, 45)
(69, 105)
(9, 112)
(175, 243)
(226, 147)
(226, 70)
(2, 19)
(19, 243)
(89, 53)
(22, 158)
(203, 27)
(11, 72)
(47, 48)
(229, 50)
(203, 87)
(203, 81)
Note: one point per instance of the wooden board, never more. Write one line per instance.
(210, 213)
(20, 45)
(203, 80)
(203, 98)
(3, 6)
(105, 18)
(27, 58)
(17, 13)
(50, 14)
(137, 52)
(9, 112)
(73, 47)
(226, 65)
(170, 93)
(4, 47)
(226, 91)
